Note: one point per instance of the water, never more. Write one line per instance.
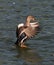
(41, 47)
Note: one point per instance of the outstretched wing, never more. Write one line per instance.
(32, 30)
(29, 32)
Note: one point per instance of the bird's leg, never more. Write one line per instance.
(23, 45)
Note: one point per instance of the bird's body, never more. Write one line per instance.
(26, 30)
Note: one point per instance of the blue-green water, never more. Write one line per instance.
(41, 47)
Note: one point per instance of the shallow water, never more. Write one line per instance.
(41, 47)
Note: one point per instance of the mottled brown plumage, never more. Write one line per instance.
(29, 29)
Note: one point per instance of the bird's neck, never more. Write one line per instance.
(27, 22)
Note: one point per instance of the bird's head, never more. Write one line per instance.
(30, 18)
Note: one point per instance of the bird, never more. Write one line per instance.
(27, 30)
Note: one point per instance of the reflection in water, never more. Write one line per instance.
(29, 55)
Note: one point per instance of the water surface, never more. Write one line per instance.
(41, 47)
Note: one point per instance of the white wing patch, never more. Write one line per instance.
(20, 25)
